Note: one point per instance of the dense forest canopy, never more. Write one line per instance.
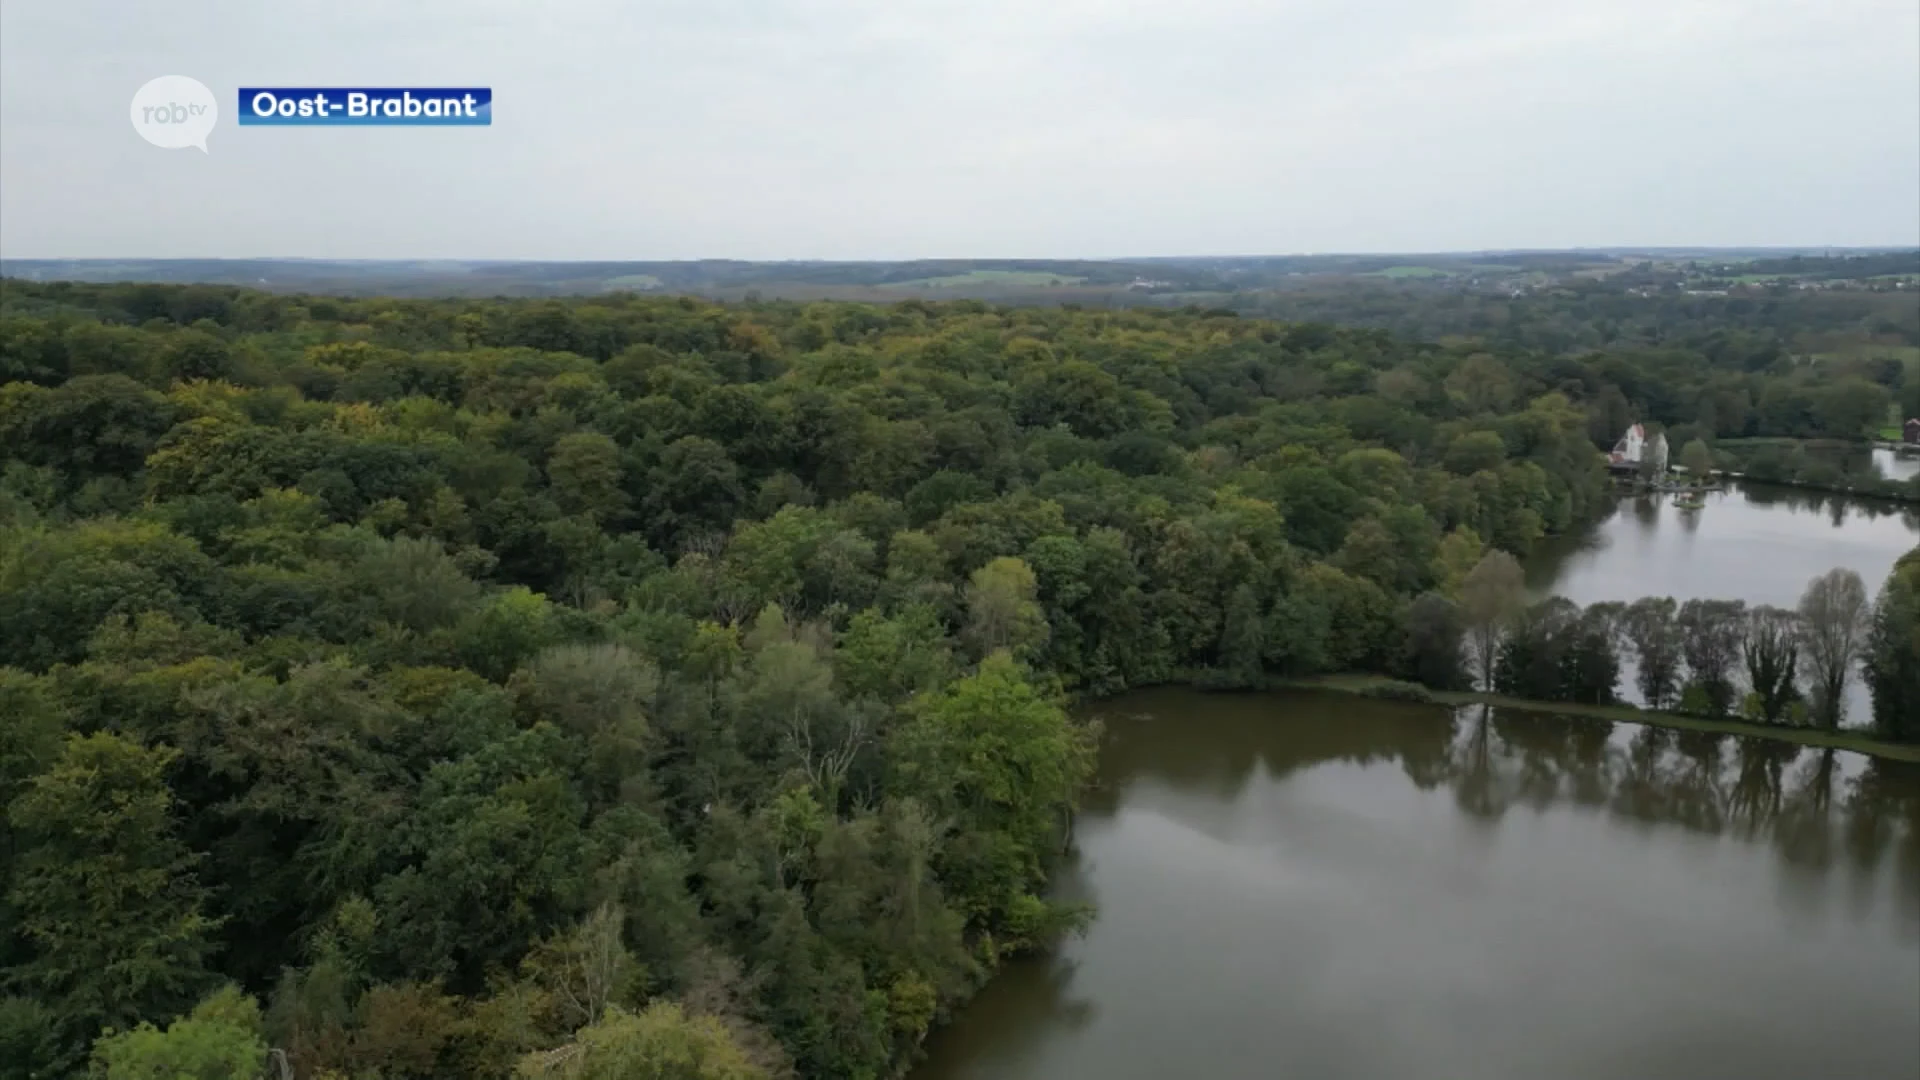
(461, 687)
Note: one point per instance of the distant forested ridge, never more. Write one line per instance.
(419, 688)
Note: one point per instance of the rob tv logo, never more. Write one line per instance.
(174, 112)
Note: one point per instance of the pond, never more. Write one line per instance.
(1896, 466)
(1312, 885)
(1323, 886)
(1756, 543)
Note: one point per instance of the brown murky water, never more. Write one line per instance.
(1310, 885)
(1313, 886)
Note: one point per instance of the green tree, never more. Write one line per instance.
(1435, 644)
(1492, 595)
(411, 582)
(1711, 633)
(1480, 384)
(56, 586)
(1650, 629)
(587, 969)
(106, 894)
(503, 631)
(891, 658)
(1458, 553)
(584, 471)
(1477, 451)
(661, 1042)
(1003, 760)
(219, 1040)
(1771, 648)
(91, 425)
(1243, 638)
(1369, 552)
(600, 694)
(1557, 652)
(30, 1044)
(1697, 459)
(1002, 608)
(1360, 631)
(1893, 652)
(1850, 407)
(1835, 620)
(30, 740)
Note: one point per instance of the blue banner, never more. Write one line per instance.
(369, 106)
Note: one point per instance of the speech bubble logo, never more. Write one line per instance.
(174, 112)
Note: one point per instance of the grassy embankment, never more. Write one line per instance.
(1845, 739)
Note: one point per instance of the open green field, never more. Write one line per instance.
(987, 277)
(1408, 272)
(632, 281)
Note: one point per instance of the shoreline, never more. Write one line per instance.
(1726, 482)
(1843, 739)
(1828, 489)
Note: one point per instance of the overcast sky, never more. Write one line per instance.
(843, 129)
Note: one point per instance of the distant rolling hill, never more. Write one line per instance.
(1150, 280)
(930, 277)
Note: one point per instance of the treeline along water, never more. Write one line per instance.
(1314, 885)
(1753, 543)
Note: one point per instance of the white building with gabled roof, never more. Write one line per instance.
(1636, 449)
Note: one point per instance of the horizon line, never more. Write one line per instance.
(1448, 253)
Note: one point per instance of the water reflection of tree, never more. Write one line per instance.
(1555, 761)
(1799, 800)
(1699, 799)
(1816, 808)
(1838, 508)
(1539, 755)
(1216, 744)
(1755, 799)
(1804, 831)
(1870, 831)
(1032, 1001)
(1643, 791)
(1882, 818)
(1065, 1009)
(1428, 761)
(1475, 777)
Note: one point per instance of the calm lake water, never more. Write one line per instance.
(1754, 543)
(1307, 885)
(1319, 886)
(1896, 466)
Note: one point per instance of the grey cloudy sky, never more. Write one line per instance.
(660, 129)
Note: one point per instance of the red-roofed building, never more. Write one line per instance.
(1913, 432)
